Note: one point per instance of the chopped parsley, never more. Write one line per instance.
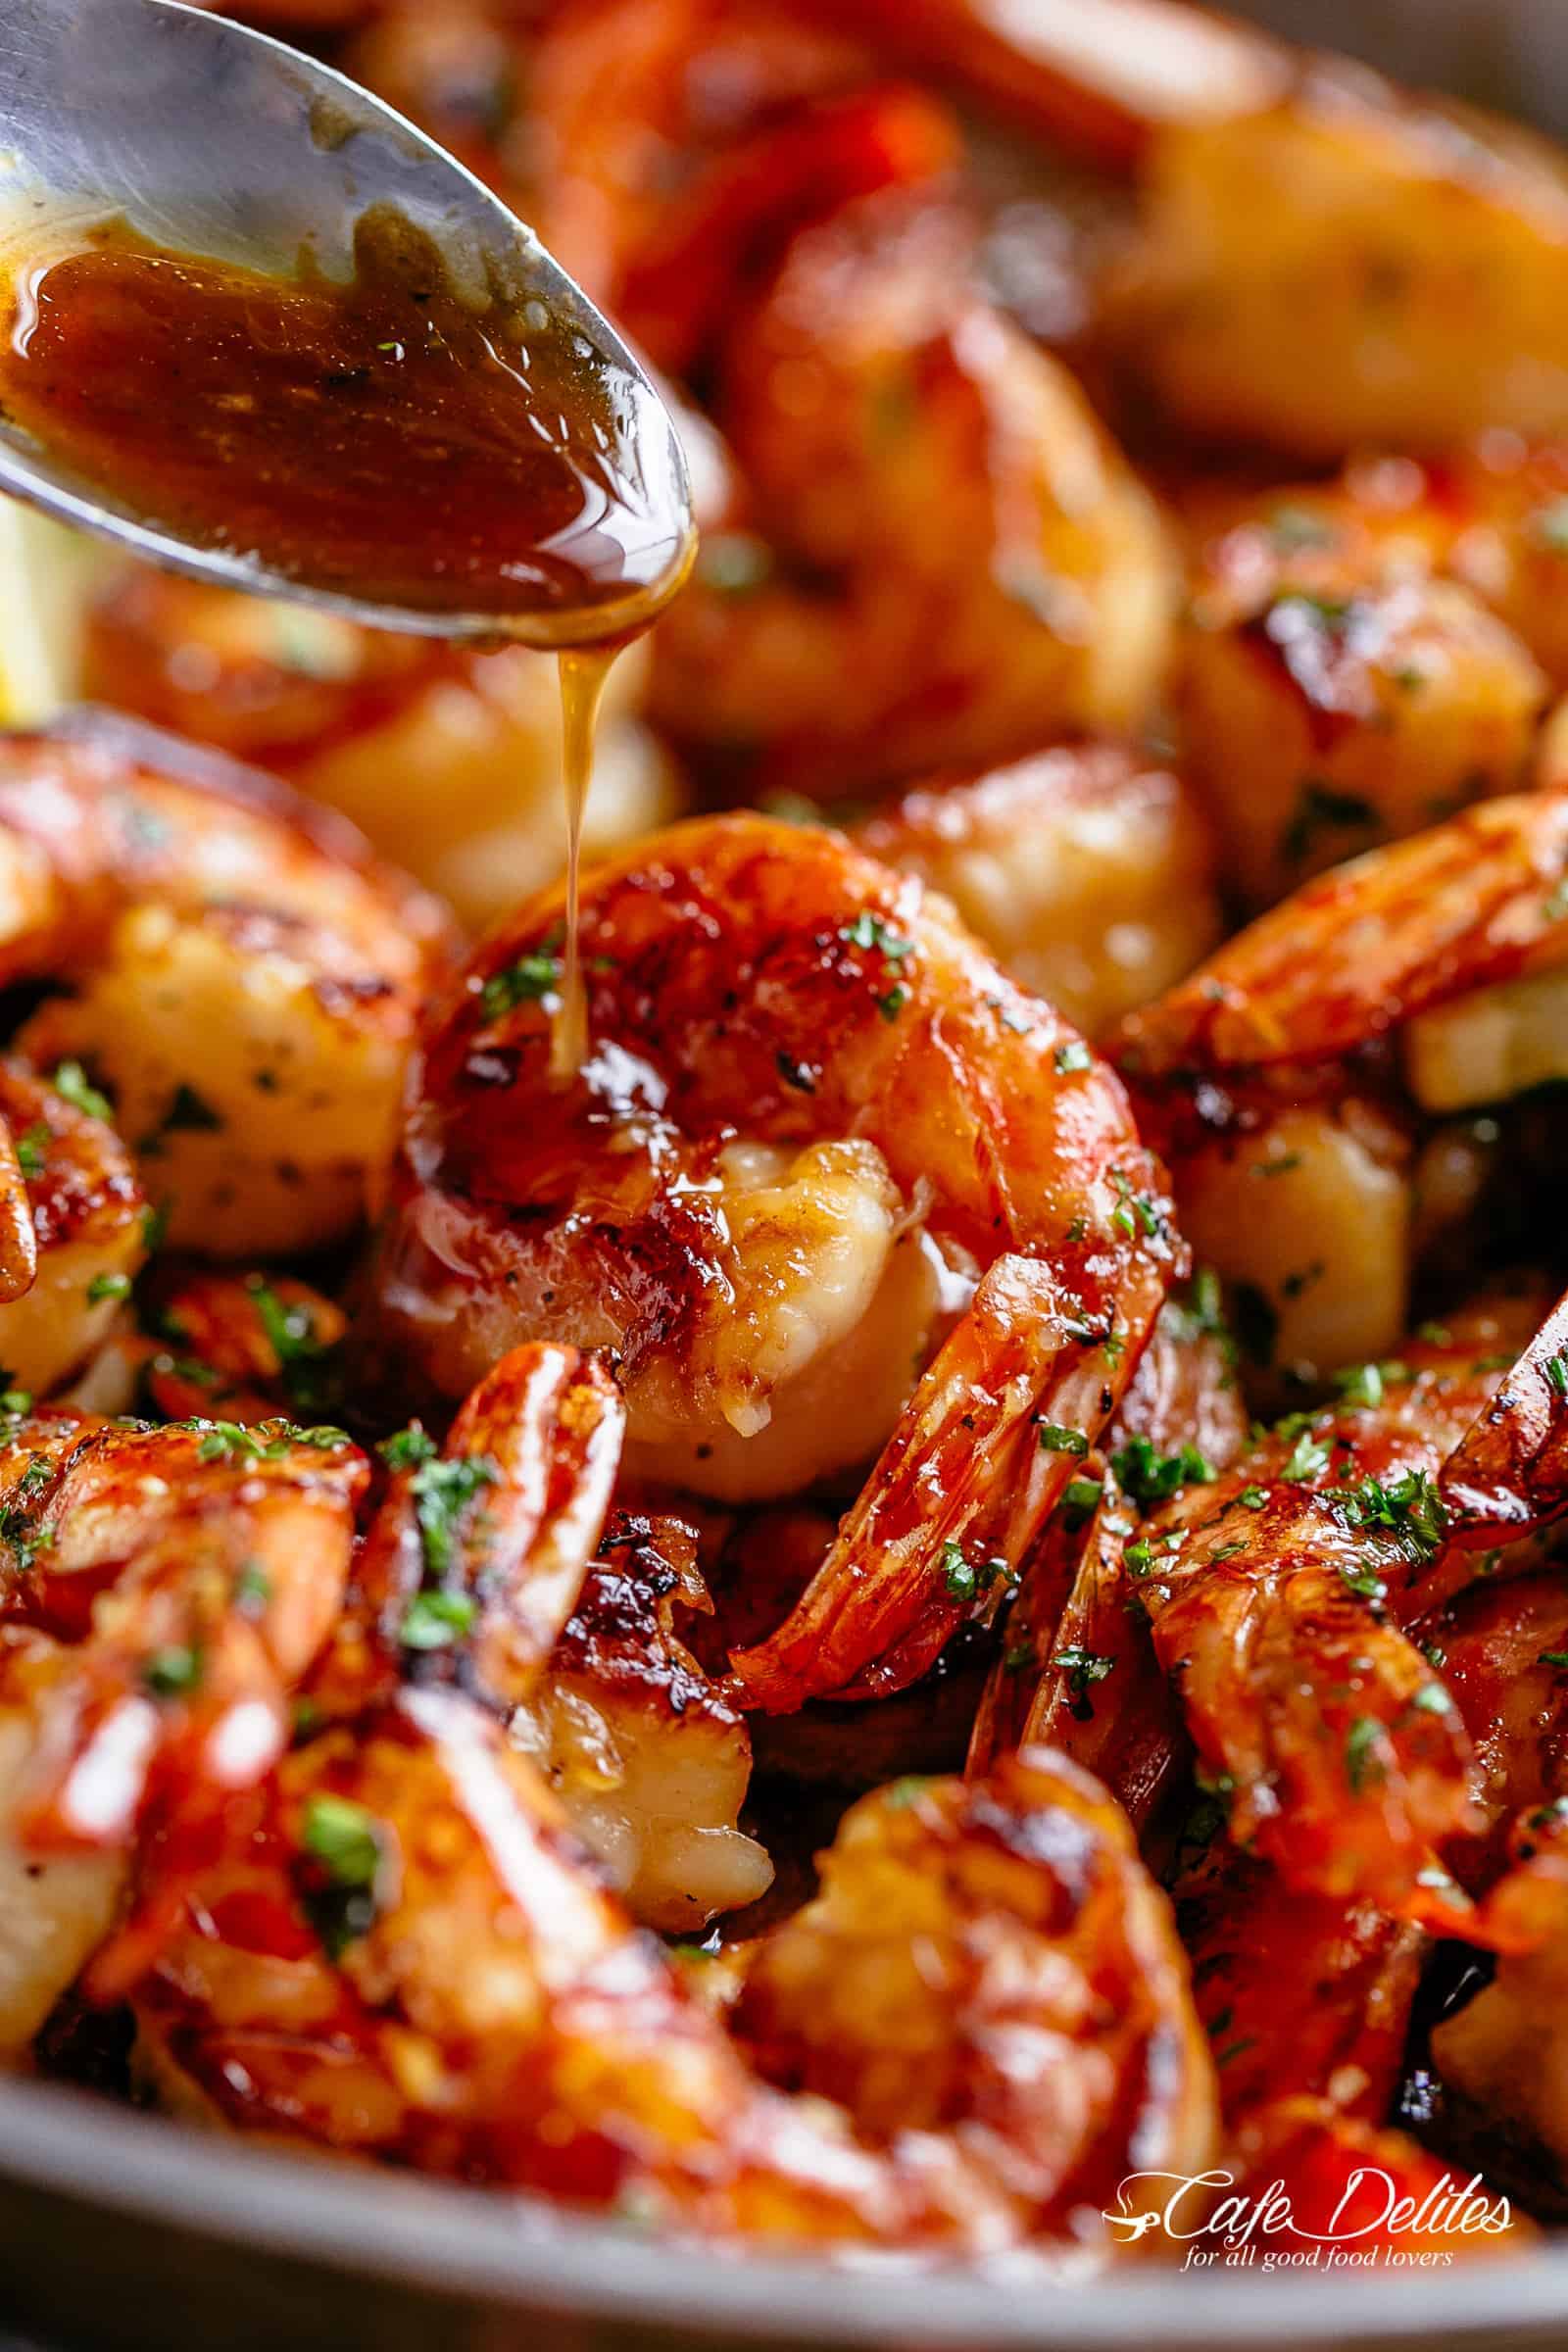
(1152, 1477)
(1552, 1657)
(1555, 1368)
(435, 1620)
(348, 1843)
(172, 1672)
(443, 1493)
(32, 1148)
(528, 981)
(869, 931)
(71, 1084)
(1367, 1384)
(107, 1286)
(1309, 1457)
(1360, 1747)
(1054, 1439)
(407, 1447)
(291, 1334)
(1081, 1497)
(1083, 1669)
(1408, 1508)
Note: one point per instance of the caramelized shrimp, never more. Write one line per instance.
(85, 1219)
(1077, 1670)
(647, 1756)
(1277, 1595)
(245, 981)
(813, 1122)
(832, 636)
(406, 1954)
(1323, 713)
(1294, 1079)
(191, 1574)
(1087, 870)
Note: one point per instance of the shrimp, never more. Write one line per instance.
(449, 761)
(401, 1949)
(162, 1591)
(827, 634)
(245, 980)
(406, 1954)
(1321, 260)
(1087, 870)
(1322, 714)
(85, 1222)
(1277, 1598)
(646, 1755)
(242, 1348)
(827, 1184)
(1077, 1671)
(1296, 1080)
(226, 1552)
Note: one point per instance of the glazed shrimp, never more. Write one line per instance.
(825, 636)
(402, 1950)
(85, 1219)
(225, 1553)
(1504, 1649)
(1299, 1080)
(1087, 870)
(163, 1590)
(1276, 1597)
(649, 1757)
(245, 981)
(1077, 1670)
(1322, 712)
(828, 1184)
(482, 2005)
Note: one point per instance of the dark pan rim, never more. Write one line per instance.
(518, 2254)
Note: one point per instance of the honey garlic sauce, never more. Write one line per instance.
(381, 440)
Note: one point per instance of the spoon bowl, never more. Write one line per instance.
(199, 137)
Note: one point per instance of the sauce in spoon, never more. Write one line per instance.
(475, 463)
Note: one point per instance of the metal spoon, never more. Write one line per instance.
(218, 141)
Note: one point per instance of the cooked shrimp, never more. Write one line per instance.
(449, 761)
(54, 1912)
(1087, 870)
(245, 981)
(1322, 714)
(1301, 1996)
(1293, 1078)
(225, 1553)
(649, 1758)
(829, 635)
(1277, 1595)
(87, 1220)
(482, 2005)
(814, 1117)
(1077, 1671)
(1322, 261)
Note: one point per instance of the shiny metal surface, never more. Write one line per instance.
(118, 2230)
(208, 137)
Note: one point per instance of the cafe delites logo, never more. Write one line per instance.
(1373, 2223)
